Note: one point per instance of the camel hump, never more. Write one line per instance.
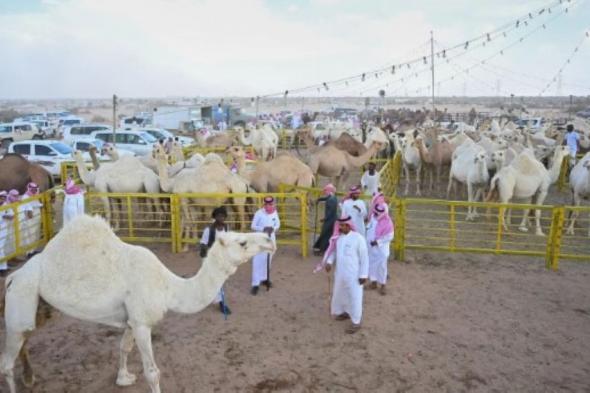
(86, 231)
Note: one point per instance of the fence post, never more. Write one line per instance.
(304, 234)
(563, 174)
(63, 172)
(554, 238)
(501, 211)
(400, 228)
(175, 232)
(47, 218)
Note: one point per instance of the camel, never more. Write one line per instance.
(469, 166)
(88, 273)
(211, 177)
(16, 172)
(262, 140)
(410, 160)
(525, 178)
(332, 162)
(580, 185)
(221, 140)
(126, 174)
(440, 154)
(267, 175)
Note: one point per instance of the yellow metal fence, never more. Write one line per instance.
(24, 226)
(179, 219)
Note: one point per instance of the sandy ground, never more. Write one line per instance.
(450, 323)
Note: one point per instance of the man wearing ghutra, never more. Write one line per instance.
(349, 250)
(379, 236)
(355, 208)
(265, 220)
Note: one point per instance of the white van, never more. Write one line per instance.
(82, 131)
(139, 142)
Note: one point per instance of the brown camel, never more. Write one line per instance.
(16, 172)
(440, 154)
(350, 145)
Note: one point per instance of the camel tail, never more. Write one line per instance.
(493, 194)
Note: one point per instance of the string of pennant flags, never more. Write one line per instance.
(558, 7)
(484, 61)
(566, 62)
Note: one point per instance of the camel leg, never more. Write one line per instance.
(525, 218)
(124, 377)
(14, 343)
(143, 337)
(449, 185)
(475, 199)
(407, 175)
(540, 200)
(184, 223)
(570, 229)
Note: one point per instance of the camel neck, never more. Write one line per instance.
(555, 169)
(191, 295)
(359, 161)
(165, 183)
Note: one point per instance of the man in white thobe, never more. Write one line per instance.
(356, 209)
(265, 220)
(379, 235)
(4, 224)
(73, 201)
(352, 270)
(370, 180)
(31, 217)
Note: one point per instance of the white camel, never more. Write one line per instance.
(88, 273)
(580, 185)
(264, 141)
(524, 179)
(411, 160)
(126, 175)
(469, 166)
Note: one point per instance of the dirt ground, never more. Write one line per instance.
(450, 323)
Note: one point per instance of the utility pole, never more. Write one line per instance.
(115, 119)
(257, 107)
(432, 68)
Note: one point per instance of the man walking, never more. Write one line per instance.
(349, 250)
(330, 215)
(356, 209)
(209, 235)
(370, 180)
(265, 220)
(572, 140)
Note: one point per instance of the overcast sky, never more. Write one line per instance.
(156, 48)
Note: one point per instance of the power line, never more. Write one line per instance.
(566, 62)
(484, 37)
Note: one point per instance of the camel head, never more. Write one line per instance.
(236, 151)
(158, 152)
(481, 156)
(236, 248)
(542, 152)
(498, 157)
(77, 155)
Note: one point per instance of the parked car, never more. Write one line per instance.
(82, 131)
(47, 153)
(18, 131)
(162, 134)
(585, 113)
(84, 146)
(139, 142)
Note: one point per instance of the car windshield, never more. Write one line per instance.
(5, 129)
(156, 134)
(62, 148)
(148, 138)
